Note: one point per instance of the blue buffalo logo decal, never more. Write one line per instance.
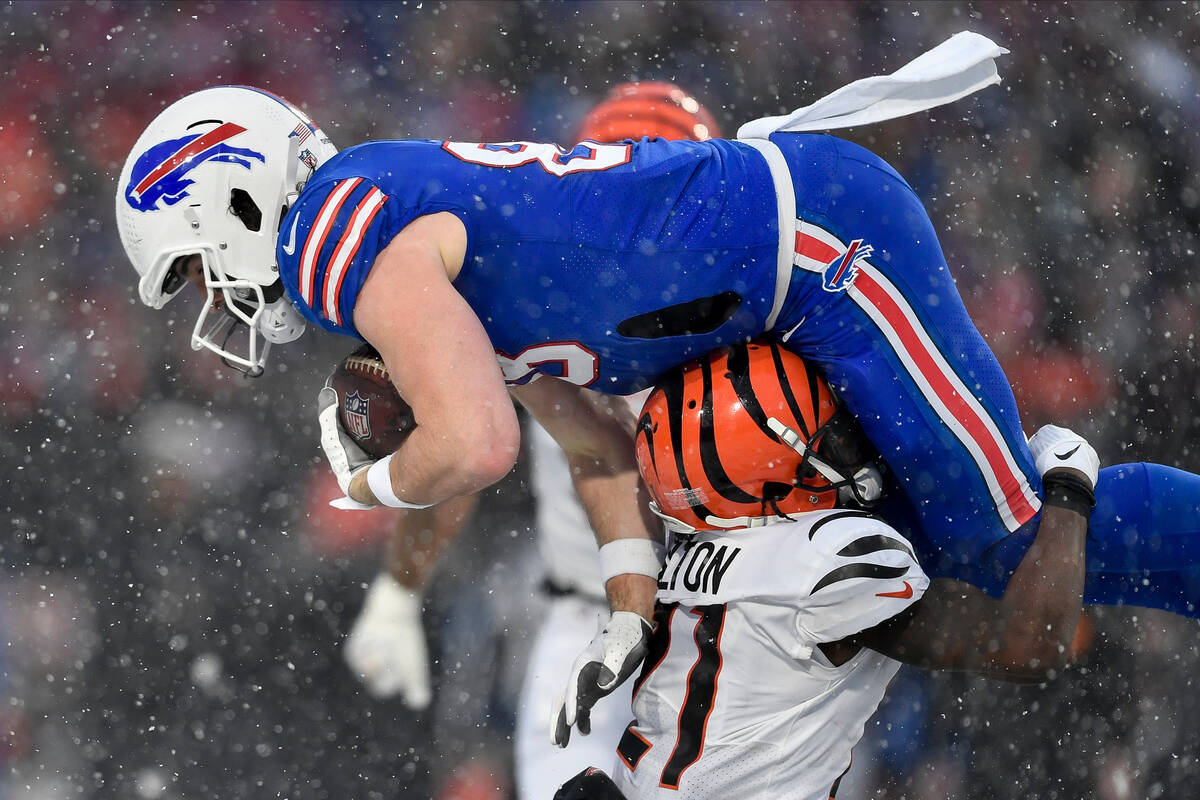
(358, 420)
(840, 272)
(160, 174)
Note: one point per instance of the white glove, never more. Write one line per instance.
(386, 647)
(607, 661)
(345, 457)
(1054, 447)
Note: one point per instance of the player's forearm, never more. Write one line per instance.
(1037, 616)
(616, 507)
(430, 468)
(1041, 606)
(421, 536)
(467, 435)
(596, 433)
(632, 593)
(1019, 638)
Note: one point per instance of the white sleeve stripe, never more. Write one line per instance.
(346, 249)
(958, 409)
(317, 235)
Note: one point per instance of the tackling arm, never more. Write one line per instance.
(1026, 634)
(596, 433)
(421, 536)
(1022, 637)
(386, 646)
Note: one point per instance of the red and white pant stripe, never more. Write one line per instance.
(928, 368)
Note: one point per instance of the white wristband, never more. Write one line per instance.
(379, 478)
(630, 556)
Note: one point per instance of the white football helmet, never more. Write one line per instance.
(213, 175)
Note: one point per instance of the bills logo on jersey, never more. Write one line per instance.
(840, 273)
(160, 174)
(358, 421)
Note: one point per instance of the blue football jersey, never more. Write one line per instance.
(605, 264)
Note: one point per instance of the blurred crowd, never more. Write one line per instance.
(173, 588)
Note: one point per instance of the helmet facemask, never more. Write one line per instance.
(264, 313)
(838, 457)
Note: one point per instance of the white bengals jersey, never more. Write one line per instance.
(735, 698)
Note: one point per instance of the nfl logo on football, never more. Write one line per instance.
(357, 422)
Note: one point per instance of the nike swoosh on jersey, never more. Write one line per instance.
(903, 594)
(290, 247)
(1068, 454)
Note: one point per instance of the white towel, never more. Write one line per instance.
(957, 67)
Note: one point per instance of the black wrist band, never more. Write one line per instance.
(1067, 490)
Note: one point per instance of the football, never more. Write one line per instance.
(370, 408)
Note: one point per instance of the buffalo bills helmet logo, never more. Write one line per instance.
(841, 272)
(160, 174)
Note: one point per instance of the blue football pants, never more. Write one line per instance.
(872, 302)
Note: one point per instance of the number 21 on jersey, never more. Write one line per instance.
(701, 689)
(558, 161)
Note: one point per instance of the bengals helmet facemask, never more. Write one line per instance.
(748, 436)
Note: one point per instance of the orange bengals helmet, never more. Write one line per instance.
(748, 436)
(653, 108)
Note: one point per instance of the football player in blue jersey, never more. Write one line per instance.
(386, 646)
(567, 274)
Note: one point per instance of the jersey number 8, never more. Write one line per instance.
(583, 157)
(570, 361)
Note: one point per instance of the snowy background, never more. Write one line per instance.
(174, 590)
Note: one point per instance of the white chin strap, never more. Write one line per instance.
(867, 481)
(796, 442)
(670, 523)
(674, 525)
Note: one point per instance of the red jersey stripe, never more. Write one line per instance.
(315, 240)
(347, 248)
(814, 248)
(990, 451)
